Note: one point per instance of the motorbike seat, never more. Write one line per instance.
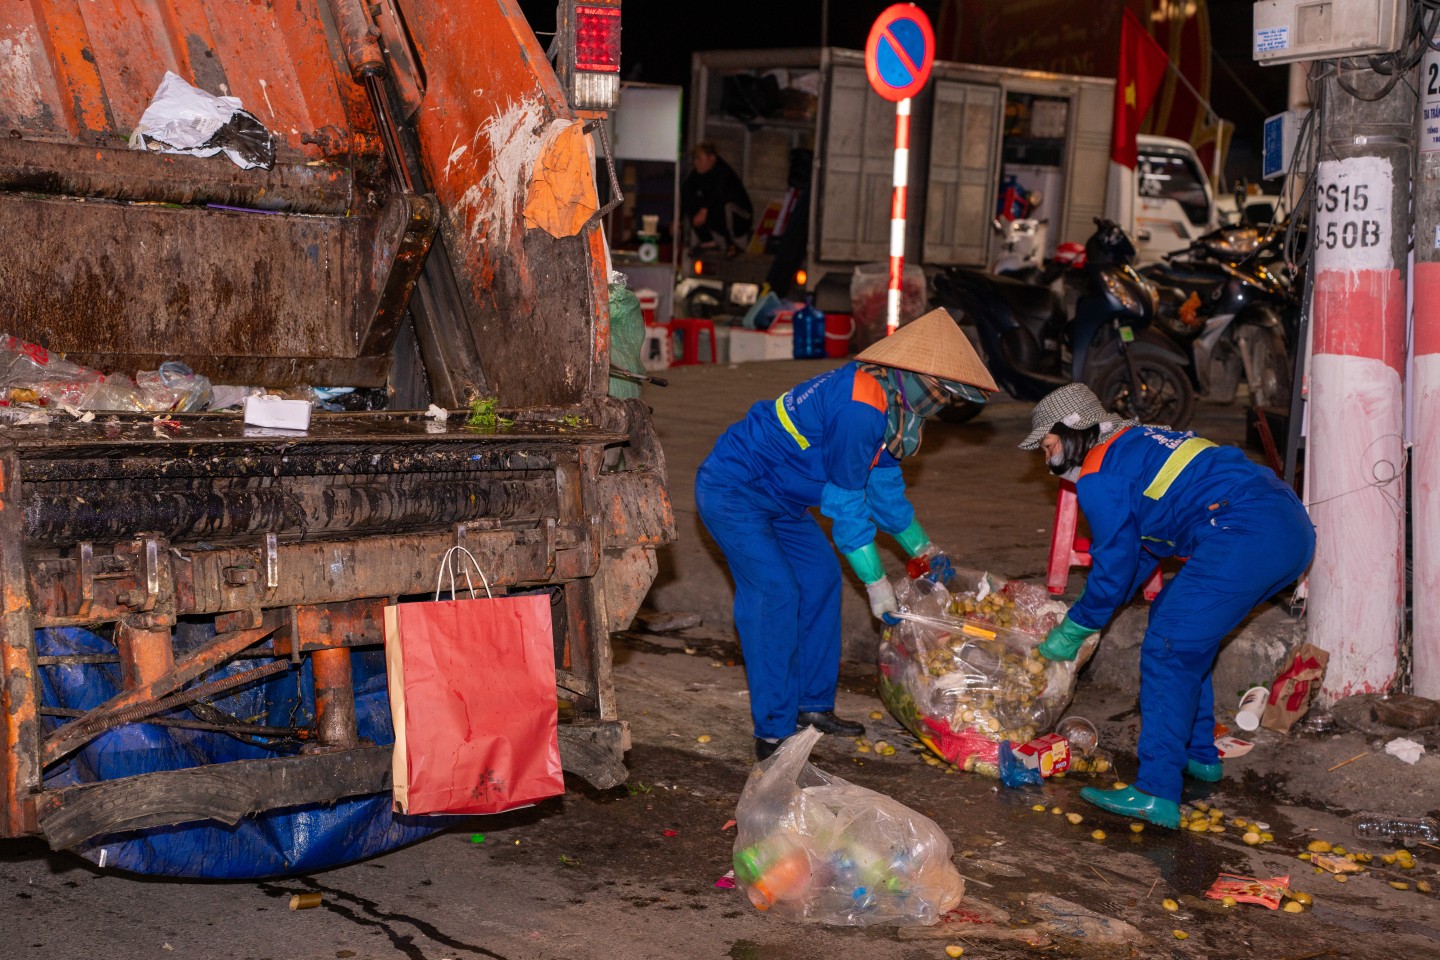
(1027, 301)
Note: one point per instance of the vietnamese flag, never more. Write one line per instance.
(1142, 66)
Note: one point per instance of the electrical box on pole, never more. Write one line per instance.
(1290, 30)
(1279, 142)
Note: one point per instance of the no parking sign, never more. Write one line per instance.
(900, 52)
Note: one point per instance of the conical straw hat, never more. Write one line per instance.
(932, 344)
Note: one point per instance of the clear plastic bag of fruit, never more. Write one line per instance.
(961, 671)
(811, 846)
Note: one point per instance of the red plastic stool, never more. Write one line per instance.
(1067, 549)
(689, 329)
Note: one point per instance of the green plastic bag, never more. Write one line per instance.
(627, 337)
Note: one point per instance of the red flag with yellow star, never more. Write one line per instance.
(1142, 67)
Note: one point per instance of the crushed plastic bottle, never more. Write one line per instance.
(1406, 830)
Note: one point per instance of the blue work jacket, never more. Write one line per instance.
(822, 444)
(1147, 490)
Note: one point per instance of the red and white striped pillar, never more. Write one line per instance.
(897, 215)
(1355, 453)
(1425, 400)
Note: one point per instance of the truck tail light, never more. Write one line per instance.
(595, 67)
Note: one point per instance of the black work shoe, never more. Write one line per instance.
(763, 748)
(827, 722)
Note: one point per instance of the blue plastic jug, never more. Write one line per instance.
(809, 325)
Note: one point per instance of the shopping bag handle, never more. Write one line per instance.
(447, 564)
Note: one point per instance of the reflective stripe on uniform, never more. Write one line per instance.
(789, 424)
(1174, 464)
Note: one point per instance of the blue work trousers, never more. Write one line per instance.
(1257, 547)
(787, 600)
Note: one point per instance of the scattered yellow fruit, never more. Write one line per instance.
(886, 751)
(1073, 817)
(1303, 856)
(1364, 857)
(1120, 785)
(1202, 806)
(863, 748)
(1227, 901)
(1251, 838)
(876, 715)
(1341, 878)
(1292, 907)
(1136, 827)
(954, 950)
(1387, 857)
(1097, 835)
(1169, 904)
(1199, 826)
(703, 738)
(1351, 857)
(1338, 850)
(1056, 810)
(1405, 864)
(1299, 896)
(1180, 934)
(1267, 837)
(1423, 886)
(1216, 815)
(1217, 828)
(1399, 884)
(1240, 823)
(1040, 808)
(1318, 846)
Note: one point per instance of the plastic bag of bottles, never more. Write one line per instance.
(811, 846)
(31, 374)
(962, 672)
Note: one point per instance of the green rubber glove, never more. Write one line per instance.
(913, 539)
(1064, 642)
(866, 564)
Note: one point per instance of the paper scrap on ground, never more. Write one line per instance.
(1232, 747)
(1405, 748)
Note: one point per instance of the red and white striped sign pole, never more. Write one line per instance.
(899, 54)
(897, 214)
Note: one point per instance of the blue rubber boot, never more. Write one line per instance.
(1206, 772)
(1129, 802)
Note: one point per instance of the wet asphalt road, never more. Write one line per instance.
(630, 873)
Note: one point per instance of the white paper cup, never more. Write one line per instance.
(1252, 707)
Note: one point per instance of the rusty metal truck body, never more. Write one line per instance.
(386, 246)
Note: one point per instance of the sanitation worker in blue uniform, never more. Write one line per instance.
(1149, 492)
(833, 442)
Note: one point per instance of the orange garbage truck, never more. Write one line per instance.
(193, 621)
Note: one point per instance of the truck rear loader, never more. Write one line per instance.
(193, 608)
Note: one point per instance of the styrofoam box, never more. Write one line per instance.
(777, 343)
(272, 411)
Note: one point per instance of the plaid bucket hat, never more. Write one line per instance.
(1076, 406)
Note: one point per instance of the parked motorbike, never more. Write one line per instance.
(1228, 300)
(1033, 344)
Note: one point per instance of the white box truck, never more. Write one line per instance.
(976, 132)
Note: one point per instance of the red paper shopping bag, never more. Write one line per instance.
(472, 696)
